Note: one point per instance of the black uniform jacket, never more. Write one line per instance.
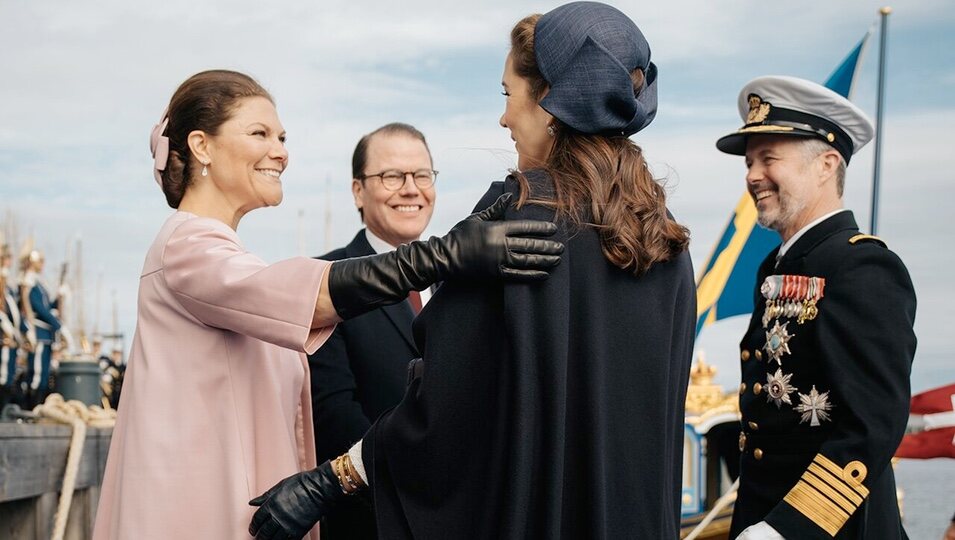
(360, 372)
(545, 410)
(820, 425)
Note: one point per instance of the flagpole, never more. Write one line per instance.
(880, 101)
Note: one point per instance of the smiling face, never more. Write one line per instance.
(397, 217)
(790, 187)
(248, 156)
(526, 120)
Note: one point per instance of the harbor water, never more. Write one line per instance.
(929, 489)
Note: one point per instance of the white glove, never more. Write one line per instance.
(64, 291)
(760, 531)
(67, 337)
(31, 337)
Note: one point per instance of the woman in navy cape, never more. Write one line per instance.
(553, 409)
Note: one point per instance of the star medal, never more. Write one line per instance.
(777, 342)
(814, 407)
(778, 388)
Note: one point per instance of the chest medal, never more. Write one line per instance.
(792, 297)
(777, 342)
(778, 388)
(814, 407)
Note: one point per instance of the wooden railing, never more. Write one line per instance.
(32, 465)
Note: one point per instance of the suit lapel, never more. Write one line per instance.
(359, 246)
(401, 315)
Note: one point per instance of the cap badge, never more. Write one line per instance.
(758, 110)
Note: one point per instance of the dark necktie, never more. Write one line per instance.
(414, 297)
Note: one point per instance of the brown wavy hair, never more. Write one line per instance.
(602, 181)
(203, 102)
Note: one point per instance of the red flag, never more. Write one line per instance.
(931, 432)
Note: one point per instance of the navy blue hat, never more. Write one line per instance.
(586, 51)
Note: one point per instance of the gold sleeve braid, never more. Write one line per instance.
(828, 494)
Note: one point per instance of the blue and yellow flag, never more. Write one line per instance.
(728, 281)
(842, 79)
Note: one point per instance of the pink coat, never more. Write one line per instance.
(216, 405)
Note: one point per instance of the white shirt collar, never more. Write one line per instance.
(377, 244)
(789, 243)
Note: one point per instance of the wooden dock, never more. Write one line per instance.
(32, 464)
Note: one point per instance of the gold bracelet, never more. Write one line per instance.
(344, 474)
(337, 468)
(351, 474)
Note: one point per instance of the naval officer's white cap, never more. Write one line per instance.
(781, 105)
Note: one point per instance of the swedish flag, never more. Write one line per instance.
(726, 286)
(842, 79)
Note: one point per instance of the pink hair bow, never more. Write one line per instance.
(159, 146)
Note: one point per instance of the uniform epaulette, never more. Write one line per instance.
(867, 238)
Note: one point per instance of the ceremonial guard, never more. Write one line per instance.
(43, 320)
(9, 329)
(827, 356)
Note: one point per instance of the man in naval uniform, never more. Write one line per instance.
(827, 356)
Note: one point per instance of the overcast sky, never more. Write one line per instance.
(84, 82)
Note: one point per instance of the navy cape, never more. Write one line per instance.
(544, 410)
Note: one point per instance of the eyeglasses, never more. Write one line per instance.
(393, 179)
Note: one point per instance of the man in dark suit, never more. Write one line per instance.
(826, 360)
(362, 370)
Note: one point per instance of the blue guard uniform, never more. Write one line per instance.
(827, 356)
(45, 323)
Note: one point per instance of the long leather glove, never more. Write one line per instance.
(479, 247)
(293, 506)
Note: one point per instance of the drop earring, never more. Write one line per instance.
(205, 170)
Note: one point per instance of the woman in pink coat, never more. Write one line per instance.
(216, 397)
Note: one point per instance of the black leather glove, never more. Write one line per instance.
(293, 506)
(479, 247)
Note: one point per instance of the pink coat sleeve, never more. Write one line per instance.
(224, 286)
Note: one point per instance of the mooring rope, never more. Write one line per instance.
(76, 414)
(723, 501)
